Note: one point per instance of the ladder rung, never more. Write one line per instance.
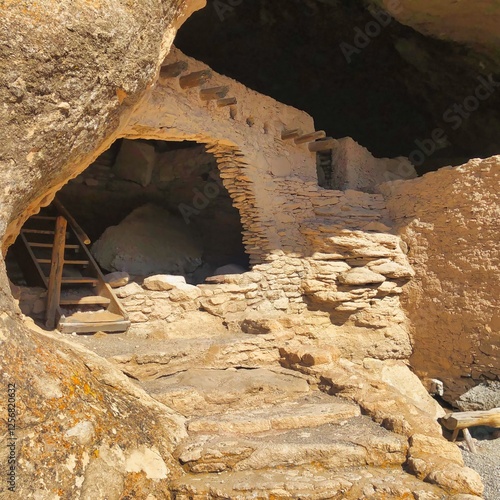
(37, 231)
(69, 262)
(43, 217)
(90, 300)
(78, 281)
(49, 245)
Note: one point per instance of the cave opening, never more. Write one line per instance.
(359, 73)
(148, 207)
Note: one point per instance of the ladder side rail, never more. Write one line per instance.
(82, 235)
(103, 288)
(56, 272)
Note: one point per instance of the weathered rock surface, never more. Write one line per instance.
(77, 78)
(149, 359)
(267, 418)
(81, 426)
(70, 74)
(484, 396)
(469, 23)
(117, 279)
(135, 162)
(450, 220)
(164, 282)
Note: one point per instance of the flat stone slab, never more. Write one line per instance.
(200, 392)
(309, 411)
(358, 442)
(307, 483)
(147, 359)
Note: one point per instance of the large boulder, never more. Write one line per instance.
(149, 241)
(484, 396)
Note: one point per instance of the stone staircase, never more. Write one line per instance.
(259, 422)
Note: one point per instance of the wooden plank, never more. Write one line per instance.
(71, 221)
(112, 327)
(227, 101)
(66, 262)
(313, 136)
(89, 300)
(43, 217)
(80, 281)
(195, 79)
(93, 317)
(173, 70)
(290, 134)
(214, 93)
(462, 420)
(56, 270)
(36, 244)
(322, 145)
(36, 231)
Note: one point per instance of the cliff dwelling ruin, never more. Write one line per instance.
(247, 257)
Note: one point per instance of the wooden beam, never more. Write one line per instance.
(228, 101)
(462, 420)
(36, 244)
(195, 79)
(322, 145)
(290, 134)
(80, 281)
(72, 222)
(36, 231)
(173, 70)
(313, 136)
(43, 217)
(469, 441)
(68, 262)
(56, 271)
(214, 93)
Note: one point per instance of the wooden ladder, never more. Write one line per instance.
(52, 253)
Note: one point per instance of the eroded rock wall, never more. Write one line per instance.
(450, 221)
(71, 72)
(70, 77)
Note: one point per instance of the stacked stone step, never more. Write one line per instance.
(270, 434)
(377, 386)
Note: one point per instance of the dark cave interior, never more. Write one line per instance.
(156, 202)
(358, 72)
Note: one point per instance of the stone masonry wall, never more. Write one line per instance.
(321, 253)
(449, 220)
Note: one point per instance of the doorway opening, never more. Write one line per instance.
(148, 207)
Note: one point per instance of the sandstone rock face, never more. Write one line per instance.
(450, 221)
(324, 295)
(149, 241)
(78, 421)
(471, 23)
(109, 69)
(69, 76)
